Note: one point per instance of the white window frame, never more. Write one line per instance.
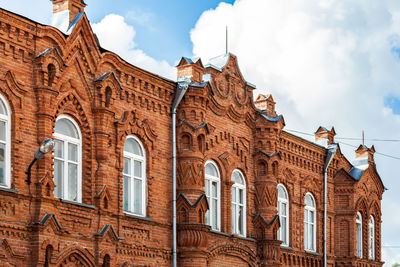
(359, 243)
(236, 204)
(310, 224)
(371, 237)
(66, 140)
(142, 159)
(7, 142)
(281, 202)
(210, 180)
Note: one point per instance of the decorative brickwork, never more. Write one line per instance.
(45, 74)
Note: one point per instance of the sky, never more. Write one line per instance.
(326, 62)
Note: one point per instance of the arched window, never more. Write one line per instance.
(134, 173)
(283, 212)
(238, 204)
(359, 234)
(212, 188)
(5, 144)
(67, 159)
(371, 237)
(310, 223)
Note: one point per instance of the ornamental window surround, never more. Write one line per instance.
(283, 212)
(238, 203)
(310, 223)
(67, 159)
(134, 177)
(213, 189)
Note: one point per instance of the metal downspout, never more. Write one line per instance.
(331, 153)
(182, 87)
(174, 232)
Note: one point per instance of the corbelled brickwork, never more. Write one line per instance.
(45, 74)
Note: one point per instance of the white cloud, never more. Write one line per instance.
(116, 35)
(327, 63)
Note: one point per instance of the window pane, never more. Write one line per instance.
(66, 127)
(214, 189)
(281, 192)
(283, 212)
(138, 196)
(311, 217)
(58, 177)
(3, 109)
(2, 164)
(59, 148)
(240, 228)
(127, 166)
(208, 215)
(234, 218)
(137, 168)
(73, 152)
(127, 193)
(72, 182)
(211, 170)
(309, 201)
(312, 237)
(241, 196)
(207, 189)
(306, 235)
(2, 130)
(214, 213)
(233, 194)
(132, 146)
(283, 229)
(237, 177)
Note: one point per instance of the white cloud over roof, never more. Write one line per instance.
(326, 63)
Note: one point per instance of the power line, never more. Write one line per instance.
(351, 138)
(356, 139)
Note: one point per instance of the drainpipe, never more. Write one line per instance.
(331, 153)
(182, 87)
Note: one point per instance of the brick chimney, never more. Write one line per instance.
(65, 11)
(267, 104)
(191, 68)
(363, 153)
(325, 137)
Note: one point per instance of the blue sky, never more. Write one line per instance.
(157, 22)
(326, 62)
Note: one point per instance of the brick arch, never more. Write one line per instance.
(75, 256)
(236, 250)
(70, 105)
(374, 209)
(361, 206)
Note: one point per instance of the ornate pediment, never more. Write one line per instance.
(189, 212)
(131, 123)
(108, 234)
(49, 220)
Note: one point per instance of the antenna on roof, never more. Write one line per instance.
(363, 137)
(226, 39)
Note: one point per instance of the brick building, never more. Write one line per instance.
(248, 192)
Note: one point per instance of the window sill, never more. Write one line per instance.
(10, 190)
(243, 237)
(77, 203)
(130, 215)
(219, 232)
(312, 252)
(286, 247)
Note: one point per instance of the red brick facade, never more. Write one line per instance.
(45, 74)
